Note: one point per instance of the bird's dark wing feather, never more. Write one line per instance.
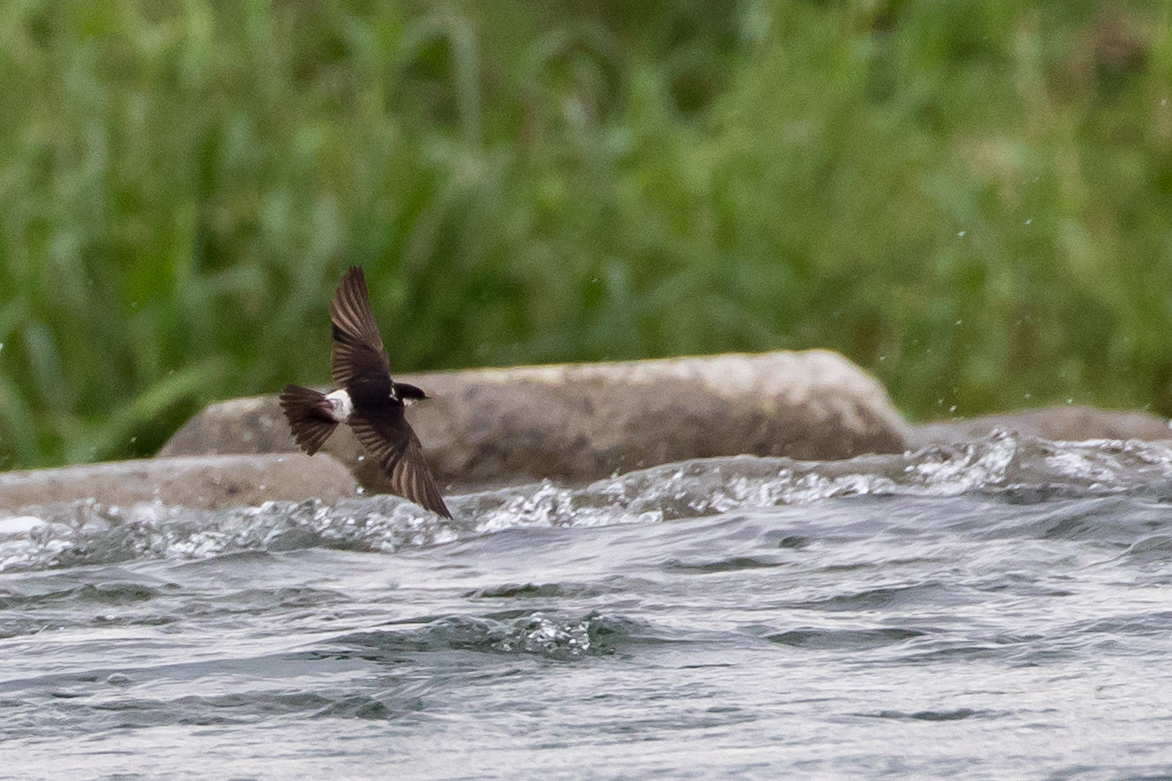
(310, 417)
(397, 450)
(358, 348)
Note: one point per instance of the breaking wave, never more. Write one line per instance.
(1014, 468)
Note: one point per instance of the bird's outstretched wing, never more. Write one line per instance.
(395, 447)
(358, 351)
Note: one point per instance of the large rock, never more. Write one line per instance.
(210, 482)
(580, 422)
(1058, 424)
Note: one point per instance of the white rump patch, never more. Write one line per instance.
(343, 407)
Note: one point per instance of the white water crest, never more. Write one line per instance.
(1017, 468)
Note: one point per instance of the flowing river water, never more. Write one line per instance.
(998, 610)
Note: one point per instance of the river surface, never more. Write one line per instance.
(999, 610)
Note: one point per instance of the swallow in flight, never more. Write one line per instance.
(367, 400)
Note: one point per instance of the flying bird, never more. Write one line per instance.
(367, 400)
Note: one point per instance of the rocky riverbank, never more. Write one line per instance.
(571, 423)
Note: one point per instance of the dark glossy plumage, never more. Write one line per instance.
(360, 367)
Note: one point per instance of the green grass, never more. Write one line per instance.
(972, 199)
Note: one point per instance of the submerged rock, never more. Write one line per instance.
(1057, 424)
(581, 422)
(208, 482)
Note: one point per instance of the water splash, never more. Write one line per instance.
(1000, 464)
(1017, 468)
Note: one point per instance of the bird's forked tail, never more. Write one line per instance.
(310, 416)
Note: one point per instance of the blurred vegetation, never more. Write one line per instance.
(972, 198)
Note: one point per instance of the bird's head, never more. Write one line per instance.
(402, 391)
